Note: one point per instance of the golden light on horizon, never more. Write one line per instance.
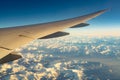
(97, 32)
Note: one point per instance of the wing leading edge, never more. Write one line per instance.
(14, 37)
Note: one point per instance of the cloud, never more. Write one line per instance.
(60, 59)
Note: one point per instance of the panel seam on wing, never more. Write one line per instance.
(5, 48)
(25, 36)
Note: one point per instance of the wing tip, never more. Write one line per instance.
(104, 10)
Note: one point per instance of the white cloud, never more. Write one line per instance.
(57, 59)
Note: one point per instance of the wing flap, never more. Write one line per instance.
(80, 25)
(55, 35)
(10, 57)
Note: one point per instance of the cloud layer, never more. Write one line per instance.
(63, 58)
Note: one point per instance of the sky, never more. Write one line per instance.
(24, 12)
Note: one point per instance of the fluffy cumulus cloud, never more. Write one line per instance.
(38, 67)
(62, 59)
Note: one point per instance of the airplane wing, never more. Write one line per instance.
(15, 37)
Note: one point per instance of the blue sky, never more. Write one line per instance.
(23, 12)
